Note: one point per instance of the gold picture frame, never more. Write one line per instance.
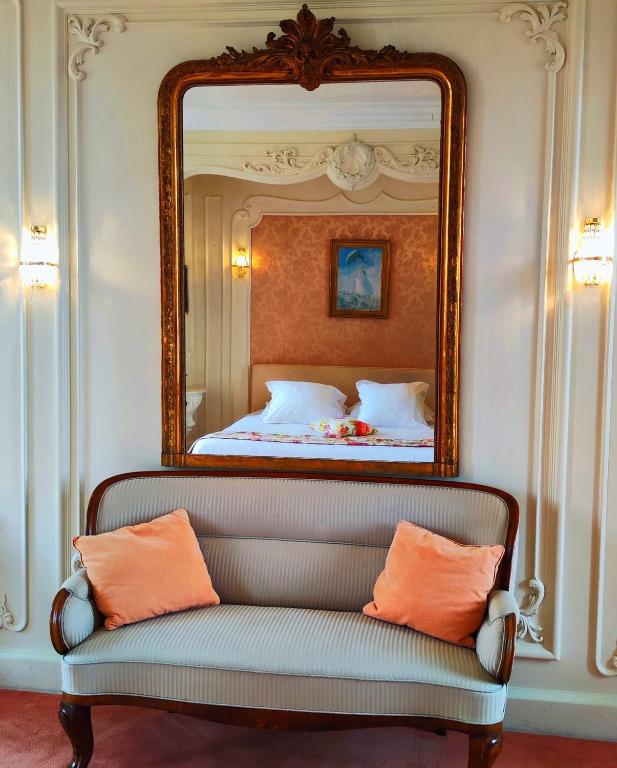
(359, 278)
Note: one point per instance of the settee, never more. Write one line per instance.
(294, 560)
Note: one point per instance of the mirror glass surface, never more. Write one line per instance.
(310, 240)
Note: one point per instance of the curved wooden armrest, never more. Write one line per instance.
(55, 622)
(509, 646)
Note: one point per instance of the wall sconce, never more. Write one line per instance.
(35, 268)
(592, 264)
(241, 263)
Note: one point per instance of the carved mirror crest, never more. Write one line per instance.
(267, 159)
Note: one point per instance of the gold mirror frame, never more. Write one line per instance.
(309, 53)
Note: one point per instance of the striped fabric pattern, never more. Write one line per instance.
(79, 619)
(295, 574)
(306, 510)
(289, 659)
(301, 543)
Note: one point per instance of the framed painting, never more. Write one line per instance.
(359, 278)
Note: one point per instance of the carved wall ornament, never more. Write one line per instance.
(308, 49)
(88, 32)
(286, 162)
(351, 165)
(6, 616)
(420, 158)
(541, 19)
(527, 623)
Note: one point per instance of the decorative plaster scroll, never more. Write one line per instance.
(6, 616)
(527, 623)
(88, 32)
(541, 20)
(352, 165)
(420, 158)
(285, 162)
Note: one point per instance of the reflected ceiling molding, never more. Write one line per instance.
(541, 20)
(257, 206)
(352, 165)
(88, 32)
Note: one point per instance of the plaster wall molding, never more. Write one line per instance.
(352, 165)
(606, 666)
(528, 612)
(7, 613)
(88, 33)
(7, 620)
(539, 629)
(541, 19)
(250, 12)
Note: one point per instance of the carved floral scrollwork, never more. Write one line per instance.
(541, 20)
(420, 158)
(6, 615)
(308, 49)
(88, 32)
(286, 162)
(527, 623)
(351, 165)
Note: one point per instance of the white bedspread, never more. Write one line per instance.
(253, 423)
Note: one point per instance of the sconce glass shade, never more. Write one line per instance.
(591, 264)
(36, 269)
(241, 262)
(38, 274)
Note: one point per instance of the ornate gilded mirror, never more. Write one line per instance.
(311, 199)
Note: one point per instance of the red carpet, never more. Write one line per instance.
(31, 737)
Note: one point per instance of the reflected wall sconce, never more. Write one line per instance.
(36, 268)
(592, 263)
(241, 263)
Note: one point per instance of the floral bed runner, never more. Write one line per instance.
(321, 440)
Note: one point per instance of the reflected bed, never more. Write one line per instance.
(249, 436)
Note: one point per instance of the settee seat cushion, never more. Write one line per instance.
(286, 658)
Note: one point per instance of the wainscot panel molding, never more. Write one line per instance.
(14, 506)
(540, 608)
(605, 652)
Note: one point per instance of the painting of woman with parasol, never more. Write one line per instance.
(359, 278)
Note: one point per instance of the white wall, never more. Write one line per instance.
(535, 390)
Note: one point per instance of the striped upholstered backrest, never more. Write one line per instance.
(302, 543)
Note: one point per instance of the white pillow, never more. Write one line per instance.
(391, 405)
(300, 402)
(429, 413)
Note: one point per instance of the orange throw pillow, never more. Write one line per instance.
(434, 584)
(145, 570)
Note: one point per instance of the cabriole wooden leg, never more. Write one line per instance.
(484, 747)
(78, 727)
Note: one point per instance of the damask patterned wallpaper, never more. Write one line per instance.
(290, 284)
